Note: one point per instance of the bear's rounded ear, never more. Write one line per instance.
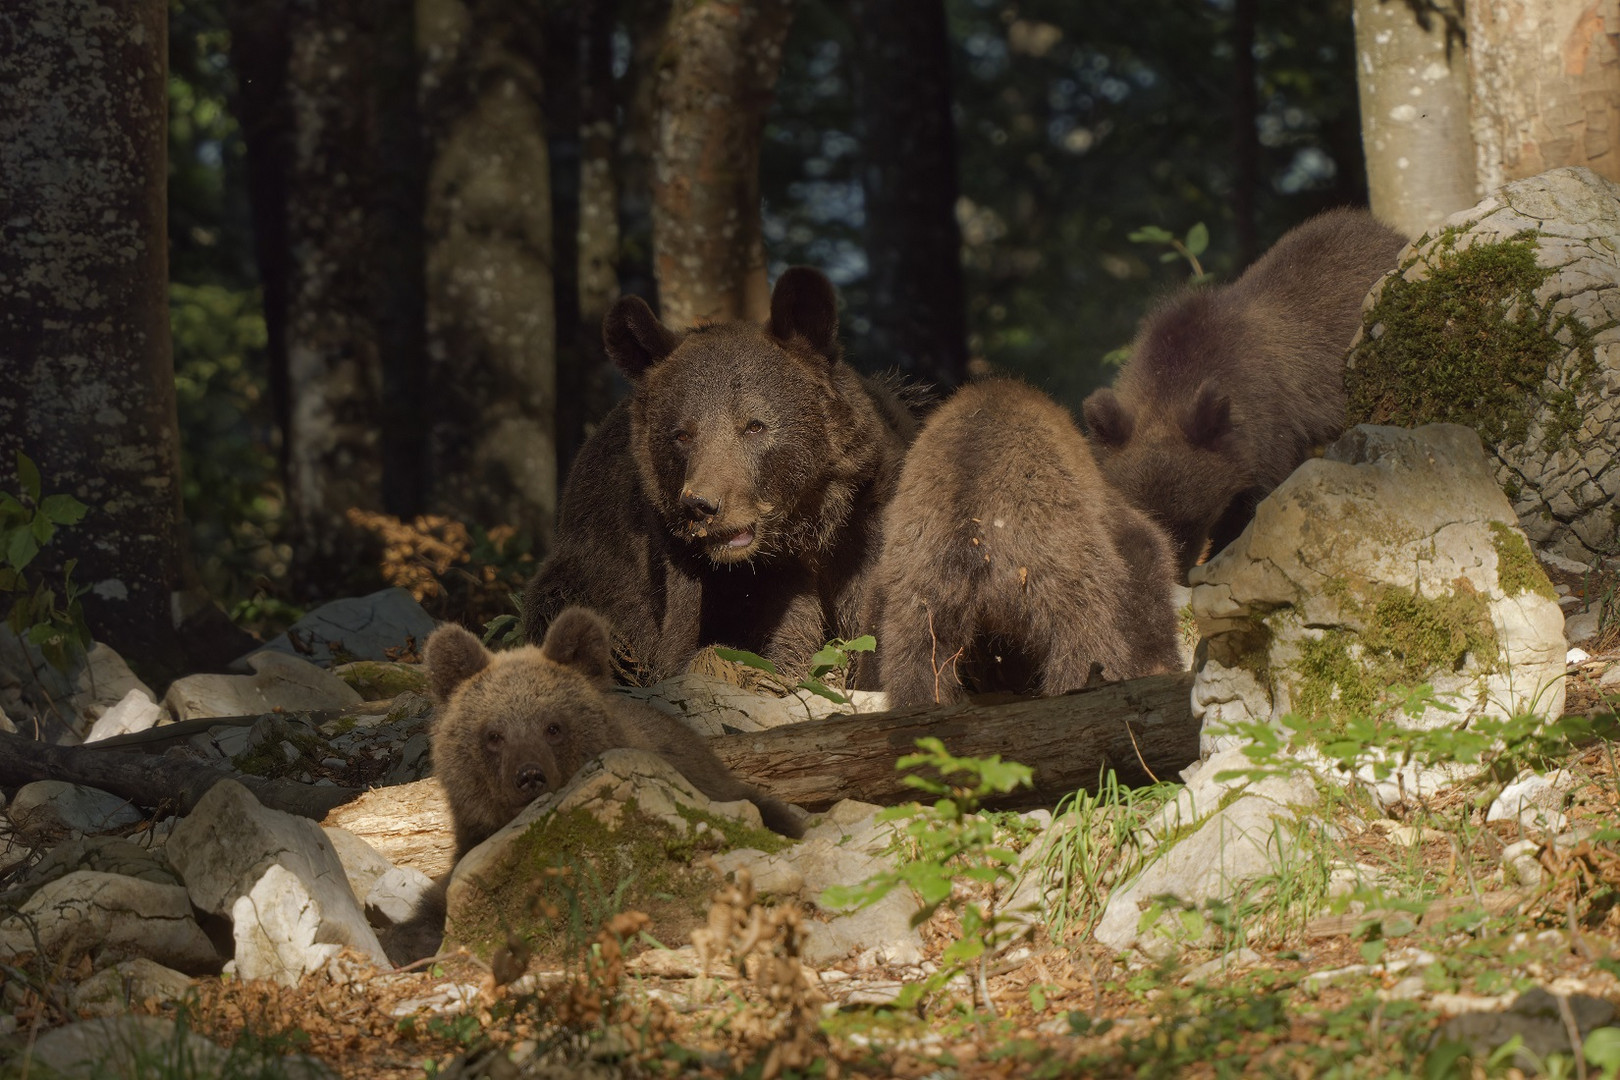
(1209, 418)
(634, 338)
(804, 305)
(453, 656)
(1107, 419)
(578, 639)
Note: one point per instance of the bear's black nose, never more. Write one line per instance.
(698, 506)
(531, 778)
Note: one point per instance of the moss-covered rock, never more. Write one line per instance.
(1390, 561)
(1508, 321)
(627, 833)
(379, 680)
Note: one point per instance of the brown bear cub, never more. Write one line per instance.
(515, 725)
(734, 498)
(1228, 389)
(1009, 563)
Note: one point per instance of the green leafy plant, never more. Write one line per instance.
(505, 631)
(832, 657)
(41, 614)
(952, 840)
(1189, 247)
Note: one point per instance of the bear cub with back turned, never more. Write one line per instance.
(734, 498)
(515, 725)
(1010, 563)
(1227, 390)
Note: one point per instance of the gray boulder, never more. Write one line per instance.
(355, 628)
(48, 807)
(61, 706)
(241, 859)
(113, 918)
(1393, 559)
(1531, 275)
(278, 682)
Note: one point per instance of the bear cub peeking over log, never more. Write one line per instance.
(515, 725)
(734, 498)
(1227, 390)
(1010, 563)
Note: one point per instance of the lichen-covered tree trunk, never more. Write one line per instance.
(1412, 74)
(902, 77)
(716, 76)
(1545, 87)
(86, 371)
(334, 357)
(492, 373)
(646, 23)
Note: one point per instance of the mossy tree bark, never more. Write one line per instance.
(1412, 75)
(717, 72)
(1543, 77)
(902, 77)
(85, 358)
(491, 318)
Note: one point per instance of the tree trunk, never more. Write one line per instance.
(1143, 729)
(717, 73)
(491, 323)
(585, 387)
(902, 80)
(647, 23)
(85, 358)
(334, 351)
(1544, 81)
(1412, 74)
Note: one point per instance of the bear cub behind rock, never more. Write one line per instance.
(1010, 563)
(515, 725)
(734, 498)
(1228, 389)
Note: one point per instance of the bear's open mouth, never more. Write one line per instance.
(730, 545)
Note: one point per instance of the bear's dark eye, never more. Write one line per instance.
(493, 739)
(754, 427)
(553, 731)
(681, 437)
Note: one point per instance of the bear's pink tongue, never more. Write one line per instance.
(742, 539)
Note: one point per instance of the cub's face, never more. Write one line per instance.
(1175, 464)
(734, 426)
(510, 724)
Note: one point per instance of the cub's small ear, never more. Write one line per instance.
(634, 338)
(453, 656)
(578, 638)
(1209, 418)
(1107, 419)
(805, 305)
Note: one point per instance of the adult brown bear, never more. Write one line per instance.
(734, 498)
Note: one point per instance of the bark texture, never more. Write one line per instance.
(86, 370)
(334, 353)
(716, 76)
(1412, 76)
(1545, 87)
(902, 77)
(1143, 729)
(492, 374)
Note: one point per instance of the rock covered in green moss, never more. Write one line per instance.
(628, 832)
(1508, 320)
(1392, 560)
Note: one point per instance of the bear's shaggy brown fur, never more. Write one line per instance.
(515, 725)
(1228, 389)
(1010, 563)
(734, 498)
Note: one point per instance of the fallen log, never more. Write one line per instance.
(1142, 729)
(152, 781)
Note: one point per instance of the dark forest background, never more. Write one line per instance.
(1073, 127)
